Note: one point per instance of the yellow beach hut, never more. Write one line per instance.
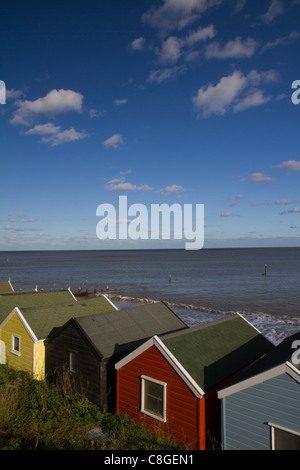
(9, 299)
(24, 331)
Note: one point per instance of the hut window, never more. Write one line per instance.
(153, 398)
(16, 344)
(284, 439)
(73, 361)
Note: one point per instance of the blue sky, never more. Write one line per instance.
(164, 101)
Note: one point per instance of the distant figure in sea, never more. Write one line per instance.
(266, 269)
(170, 279)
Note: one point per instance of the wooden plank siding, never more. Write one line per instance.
(182, 406)
(246, 414)
(69, 340)
(24, 361)
(39, 360)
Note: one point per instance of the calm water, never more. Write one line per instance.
(205, 284)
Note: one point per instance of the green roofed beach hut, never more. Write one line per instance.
(171, 381)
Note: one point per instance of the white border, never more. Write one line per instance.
(13, 350)
(105, 296)
(286, 367)
(142, 409)
(166, 353)
(281, 428)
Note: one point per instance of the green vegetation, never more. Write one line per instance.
(39, 415)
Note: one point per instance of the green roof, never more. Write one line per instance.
(119, 331)
(45, 320)
(216, 350)
(5, 287)
(280, 354)
(32, 299)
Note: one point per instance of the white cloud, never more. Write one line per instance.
(173, 48)
(201, 34)
(233, 92)
(120, 102)
(295, 210)
(138, 44)
(281, 202)
(162, 75)
(177, 14)
(215, 99)
(175, 188)
(256, 78)
(55, 102)
(234, 49)
(170, 50)
(94, 113)
(228, 214)
(12, 94)
(254, 98)
(275, 9)
(239, 5)
(42, 129)
(114, 141)
(54, 136)
(282, 41)
(119, 184)
(260, 177)
(290, 165)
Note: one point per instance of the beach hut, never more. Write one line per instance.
(170, 382)
(88, 347)
(25, 331)
(261, 411)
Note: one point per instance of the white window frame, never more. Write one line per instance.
(145, 378)
(274, 427)
(74, 354)
(13, 350)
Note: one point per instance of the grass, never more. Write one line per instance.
(36, 415)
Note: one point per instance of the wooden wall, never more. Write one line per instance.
(182, 406)
(246, 414)
(24, 361)
(87, 377)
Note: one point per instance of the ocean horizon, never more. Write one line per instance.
(199, 286)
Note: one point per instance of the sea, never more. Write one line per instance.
(199, 286)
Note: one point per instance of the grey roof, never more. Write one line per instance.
(119, 331)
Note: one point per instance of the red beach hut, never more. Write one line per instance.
(170, 382)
